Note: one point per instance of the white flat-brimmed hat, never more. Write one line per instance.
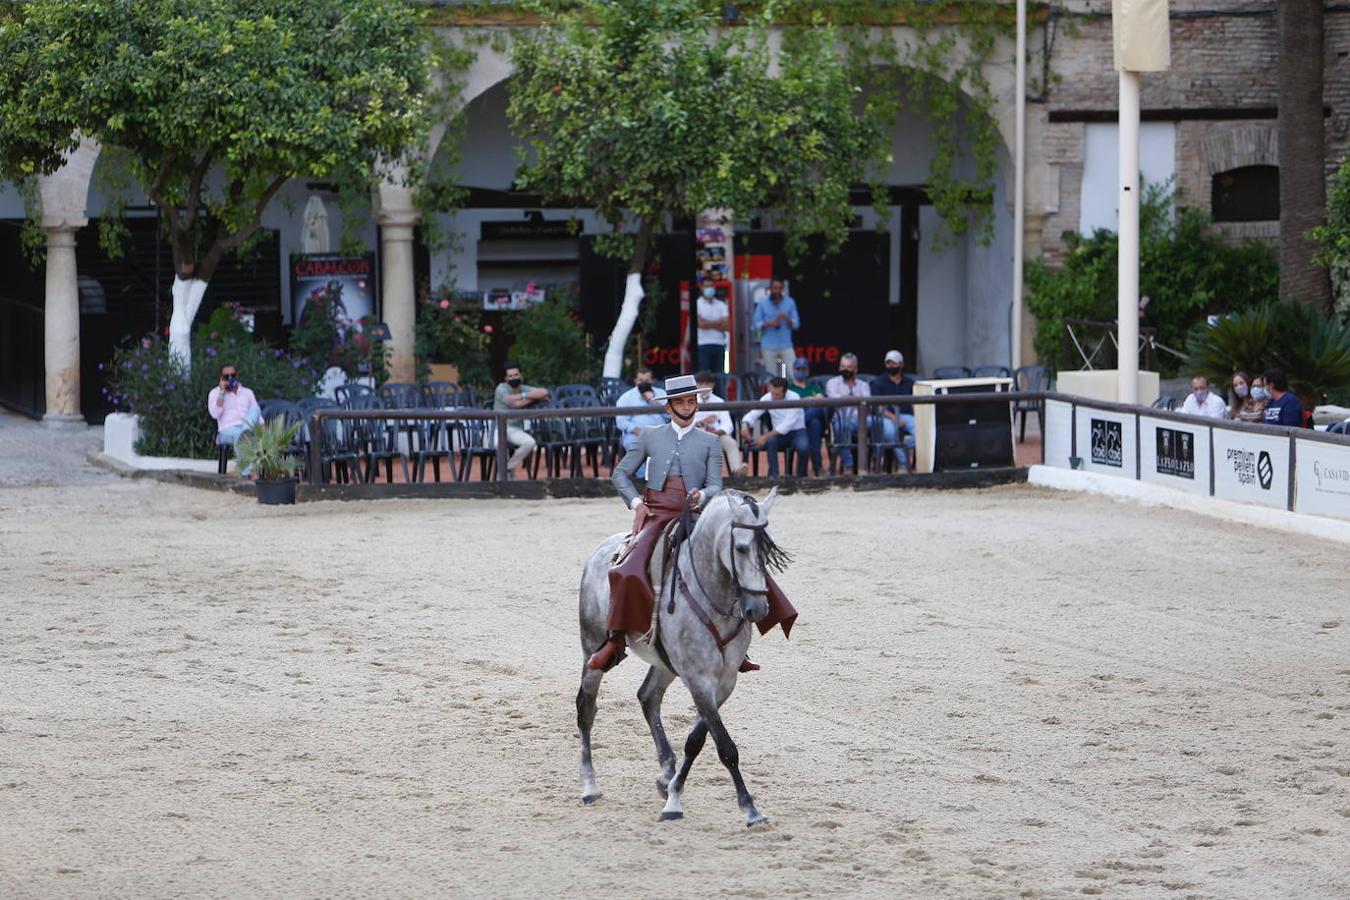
(680, 386)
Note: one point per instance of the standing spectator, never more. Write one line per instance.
(896, 383)
(233, 406)
(788, 428)
(1201, 401)
(513, 393)
(718, 424)
(846, 384)
(775, 319)
(714, 322)
(647, 397)
(1284, 407)
(1249, 398)
(815, 418)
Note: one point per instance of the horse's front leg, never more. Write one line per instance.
(590, 686)
(649, 695)
(730, 756)
(692, 745)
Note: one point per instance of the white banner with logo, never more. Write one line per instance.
(1175, 454)
(1322, 479)
(1251, 468)
(1106, 442)
(1058, 435)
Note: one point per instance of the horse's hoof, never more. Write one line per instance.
(762, 820)
(671, 816)
(590, 799)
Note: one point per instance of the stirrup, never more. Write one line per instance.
(608, 655)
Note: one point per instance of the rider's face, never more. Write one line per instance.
(683, 408)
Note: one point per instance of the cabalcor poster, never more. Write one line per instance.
(347, 281)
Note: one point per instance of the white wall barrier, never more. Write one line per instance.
(1293, 469)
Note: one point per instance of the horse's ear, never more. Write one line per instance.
(766, 505)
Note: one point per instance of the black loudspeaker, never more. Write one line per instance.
(972, 435)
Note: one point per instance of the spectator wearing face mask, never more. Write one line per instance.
(1284, 407)
(1202, 402)
(718, 424)
(895, 419)
(650, 411)
(1249, 398)
(714, 322)
(815, 417)
(845, 422)
(513, 393)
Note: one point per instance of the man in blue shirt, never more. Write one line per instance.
(775, 319)
(647, 396)
(1284, 408)
(896, 383)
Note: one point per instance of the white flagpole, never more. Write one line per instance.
(1019, 181)
(1127, 280)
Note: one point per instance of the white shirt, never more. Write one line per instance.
(721, 421)
(783, 420)
(713, 311)
(1213, 407)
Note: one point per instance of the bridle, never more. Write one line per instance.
(741, 590)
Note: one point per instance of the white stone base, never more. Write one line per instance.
(1158, 495)
(120, 431)
(64, 422)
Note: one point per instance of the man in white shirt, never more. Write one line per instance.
(1202, 402)
(718, 424)
(789, 429)
(714, 322)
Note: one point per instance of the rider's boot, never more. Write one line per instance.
(609, 655)
(748, 666)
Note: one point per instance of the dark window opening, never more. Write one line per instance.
(1247, 194)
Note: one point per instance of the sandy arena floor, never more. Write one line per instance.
(990, 693)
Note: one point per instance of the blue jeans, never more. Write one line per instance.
(794, 439)
(890, 430)
(231, 434)
(712, 357)
(815, 431)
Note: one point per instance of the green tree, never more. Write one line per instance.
(1333, 238)
(216, 104)
(645, 109)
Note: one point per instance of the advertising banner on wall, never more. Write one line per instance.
(1175, 454)
(1251, 468)
(347, 281)
(1323, 479)
(1106, 442)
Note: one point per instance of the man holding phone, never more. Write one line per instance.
(233, 406)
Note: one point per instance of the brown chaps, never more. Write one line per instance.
(631, 597)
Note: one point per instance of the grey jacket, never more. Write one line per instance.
(700, 462)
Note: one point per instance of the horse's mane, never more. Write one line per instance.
(774, 556)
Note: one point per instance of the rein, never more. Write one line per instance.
(682, 584)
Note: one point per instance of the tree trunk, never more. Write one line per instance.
(1302, 144)
(632, 300)
(187, 299)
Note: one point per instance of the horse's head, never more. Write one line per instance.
(746, 550)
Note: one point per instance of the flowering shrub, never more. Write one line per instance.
(446, 334)
(549, 342)
(145, 379)
(326, 334)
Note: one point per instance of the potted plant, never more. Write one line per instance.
(267, 452)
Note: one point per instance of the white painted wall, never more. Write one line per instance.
(1101, 162)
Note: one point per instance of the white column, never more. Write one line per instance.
(1127, 280)
(1019, 183)
(61, 331)
(398, 291)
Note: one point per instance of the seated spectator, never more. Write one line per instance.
(789, 428)
(514, 394)
(1249, 398)
(718, 423)
(1201, 401)
(895, 383)
(1284, 407)
(846, 384)
(815, 418)
(647, 396)
(233, 406)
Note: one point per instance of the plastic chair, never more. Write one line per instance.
(942, 372)
(569, 391)
(345, 392)
(477, 440)
(992, 372)
(586, 439)
(610, 390)
(1165, 402)
(400, 396)
(289, 413)
(1030, 378)
(441, 395)
(379, 440)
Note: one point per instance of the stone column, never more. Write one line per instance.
(62, 331)
(399, 294)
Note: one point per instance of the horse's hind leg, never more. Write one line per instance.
(692, 745)
(730, 756)
(649, 695)
(590, 686)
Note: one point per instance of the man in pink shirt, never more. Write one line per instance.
(233, 406)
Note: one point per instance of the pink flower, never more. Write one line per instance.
(444, 304)
(487, 329)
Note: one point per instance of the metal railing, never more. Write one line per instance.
(501, 418)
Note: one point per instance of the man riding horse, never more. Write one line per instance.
(684, 472)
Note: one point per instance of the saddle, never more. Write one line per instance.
(672, 535)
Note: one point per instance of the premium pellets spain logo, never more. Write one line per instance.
(1252, 468)
(1106, 443)
(1175, 453)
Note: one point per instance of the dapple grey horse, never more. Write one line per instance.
(712, 589)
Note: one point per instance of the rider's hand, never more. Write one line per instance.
(640, 513)
(695, 498)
